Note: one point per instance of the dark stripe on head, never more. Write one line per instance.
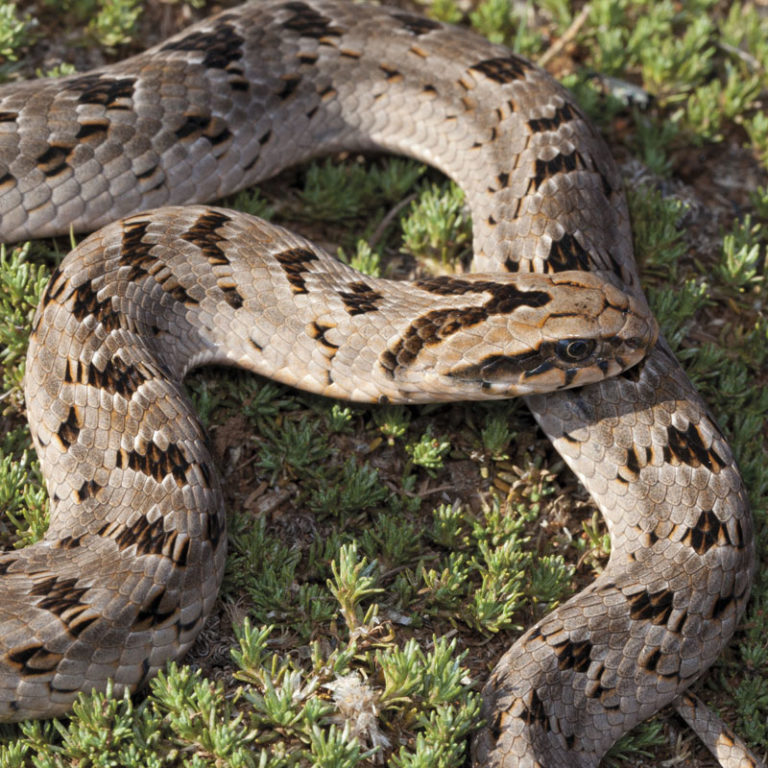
(435, 326)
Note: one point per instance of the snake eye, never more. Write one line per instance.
(574, 350)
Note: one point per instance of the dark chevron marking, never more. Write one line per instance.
(151, 615)
(214, 529)
(560, 163)
(534, 714)
(318, 331)
(86, 303)
(204, 234)
(435, 326)
(290, 84)
(393, 74)
(63, 598)
(707, 533)
(95, 130)
(157, 463)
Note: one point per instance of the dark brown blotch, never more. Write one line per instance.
(416, 25)
(566, 254)
(560, 163)
(206, 126)
(360, 298)
(534, 713)
(33, 660)
(707, 533)
(295, 262)
(317, 331)
(687, 447)
(54, 160)
(504, 69)
(561, 115)
(221, 46)
(573, 655)
(154, 613)
(103, 90)
(69, 429)
(655, 607)
(308, 22)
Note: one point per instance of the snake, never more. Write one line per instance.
(552, 310)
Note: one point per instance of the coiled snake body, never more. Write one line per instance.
(134, 555)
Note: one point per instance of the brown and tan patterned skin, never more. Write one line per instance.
(131, 564)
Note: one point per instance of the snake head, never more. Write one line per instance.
(522, 334)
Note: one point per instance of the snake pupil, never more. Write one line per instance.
(574, 350)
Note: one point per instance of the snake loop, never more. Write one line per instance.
(131, 563)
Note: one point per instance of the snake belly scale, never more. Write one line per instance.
(134, 555)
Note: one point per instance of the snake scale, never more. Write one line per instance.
(131, 563)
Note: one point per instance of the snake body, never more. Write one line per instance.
(132, 560)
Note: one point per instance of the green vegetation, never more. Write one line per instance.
(382, 559)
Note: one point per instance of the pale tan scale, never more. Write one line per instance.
(131, 564)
